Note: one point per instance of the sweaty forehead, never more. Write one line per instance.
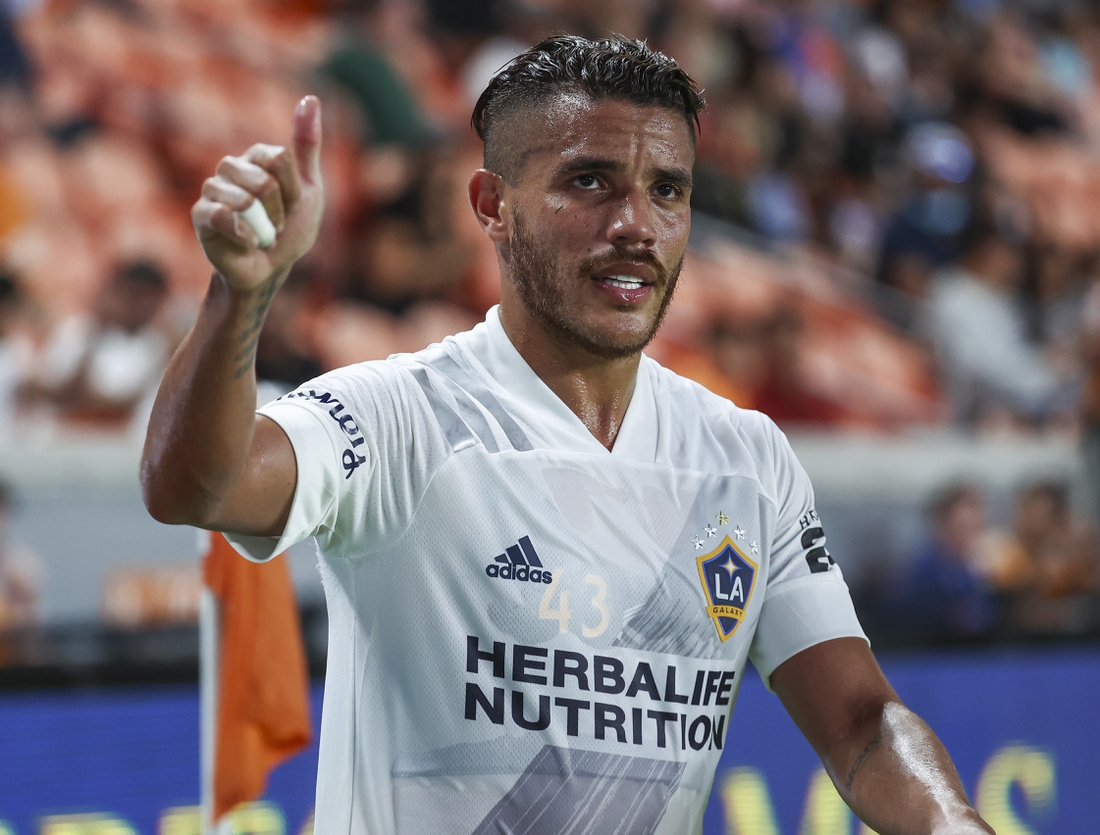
(573, 125)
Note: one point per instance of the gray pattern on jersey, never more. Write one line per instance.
(464, 381)
(490, 756)
(673, 617)
(574, 792)
(455, 429)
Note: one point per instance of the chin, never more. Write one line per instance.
(614, 344)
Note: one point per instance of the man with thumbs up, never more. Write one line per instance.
(547, 559)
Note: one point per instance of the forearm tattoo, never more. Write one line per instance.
(249, 338)
(862, 758)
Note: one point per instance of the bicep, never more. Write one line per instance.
(831, 690)
(258, 502)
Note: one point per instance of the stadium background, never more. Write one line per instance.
(895, 254)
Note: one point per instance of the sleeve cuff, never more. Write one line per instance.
(314, 490)
(805, 612)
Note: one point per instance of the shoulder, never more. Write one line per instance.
(713, 409)
(717, 423)
(396, 374)
(378, 394)
(359, 381)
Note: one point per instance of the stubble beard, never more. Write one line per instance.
(536, 274)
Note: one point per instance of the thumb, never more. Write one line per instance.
(307, 139)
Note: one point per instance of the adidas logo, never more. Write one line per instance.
(520, 562)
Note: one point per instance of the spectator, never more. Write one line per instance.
(1059, 595)
(389, 109)
(943, 595)
(784, 393)
(924, 233)
(992, 373)
(98, 367)
(409, 250)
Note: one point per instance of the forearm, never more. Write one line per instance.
(202, 424)
(897, 776)
(208, 460)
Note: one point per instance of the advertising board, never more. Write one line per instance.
(1022, 725)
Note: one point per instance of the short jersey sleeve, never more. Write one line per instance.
(806, 601)
(352, 431)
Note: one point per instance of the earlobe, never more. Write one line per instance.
(487, 192)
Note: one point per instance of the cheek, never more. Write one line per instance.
(677, 222)
(568, 231)
(675, 232)
(680, 221)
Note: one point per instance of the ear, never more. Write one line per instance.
(488, 193)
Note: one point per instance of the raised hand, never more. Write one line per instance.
(288, 184)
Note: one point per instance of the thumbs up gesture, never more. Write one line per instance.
(287, 182)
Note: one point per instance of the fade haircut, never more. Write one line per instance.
(611, 68)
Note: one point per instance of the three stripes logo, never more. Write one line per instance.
(520, 562)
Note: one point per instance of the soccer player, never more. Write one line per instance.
(547, 559)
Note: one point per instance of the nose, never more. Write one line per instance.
(631, 221)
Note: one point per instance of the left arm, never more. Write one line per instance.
(886, 763)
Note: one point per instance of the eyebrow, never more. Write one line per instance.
(676, 176)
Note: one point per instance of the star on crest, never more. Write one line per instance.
(723, 519)
(753, 548)
(697, 542)
(730, 566)
(739, 532)
(711, 532)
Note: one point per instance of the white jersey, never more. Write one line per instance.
(528, 633)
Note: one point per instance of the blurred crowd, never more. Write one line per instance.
(894, 202)
(971, 580)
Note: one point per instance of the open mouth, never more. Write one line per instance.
(625, 282)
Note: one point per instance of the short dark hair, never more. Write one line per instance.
(946, 499)
(142, 273)
(1056, 492)
(608, 68)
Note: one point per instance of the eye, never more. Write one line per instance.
(586, 181)
(668, 191)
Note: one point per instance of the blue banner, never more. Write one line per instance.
(1022, 726)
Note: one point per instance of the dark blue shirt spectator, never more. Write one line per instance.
(942, 596)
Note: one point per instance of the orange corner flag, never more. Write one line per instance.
(263, 682)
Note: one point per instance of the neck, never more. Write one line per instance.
(596, 389)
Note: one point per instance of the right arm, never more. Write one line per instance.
(209, 460)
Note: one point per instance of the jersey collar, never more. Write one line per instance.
(538, 405)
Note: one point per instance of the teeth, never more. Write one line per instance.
(627, 282)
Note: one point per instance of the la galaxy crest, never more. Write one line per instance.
(728, 577)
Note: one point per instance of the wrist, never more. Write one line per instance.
(247, 295)
(238, 315)
(243, 306)
(965, 822)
